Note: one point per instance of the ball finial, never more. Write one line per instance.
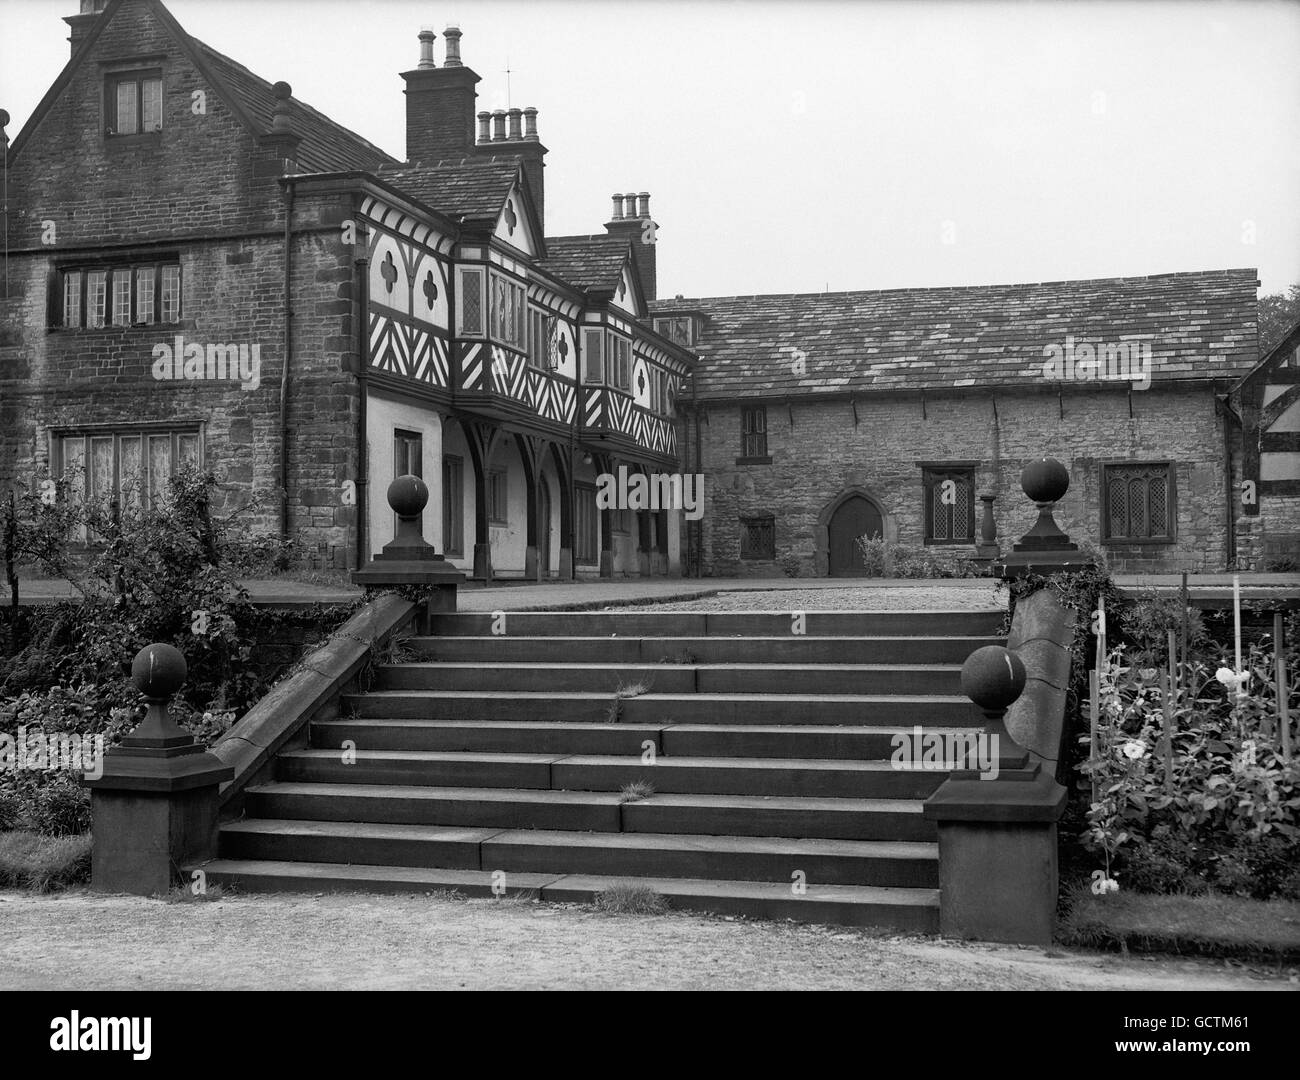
(282, 91)
(159, 670)
(993, 677)
(408, 496)
(1045, 480)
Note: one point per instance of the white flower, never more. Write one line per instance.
(1226, 676)
(1134, 749)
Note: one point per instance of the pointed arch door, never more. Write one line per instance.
(855, 516)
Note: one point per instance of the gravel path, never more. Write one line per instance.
(981, 596)
(83, 941)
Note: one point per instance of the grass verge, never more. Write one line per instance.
(29, 860)
(629, 898)
(1207, 925)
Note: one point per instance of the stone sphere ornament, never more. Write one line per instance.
(159, 670)
(1045, 480)
(408, 496)
(993, 677)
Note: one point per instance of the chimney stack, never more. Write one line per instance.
(439, 103)
(80, 24)
(508, 138)
(631, 219)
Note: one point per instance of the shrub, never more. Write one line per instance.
(884, 559)
(790, 564)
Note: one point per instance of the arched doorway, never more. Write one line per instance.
(855, 516)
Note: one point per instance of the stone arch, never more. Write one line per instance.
(853, 491)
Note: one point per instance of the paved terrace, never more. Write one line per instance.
(1205, 590)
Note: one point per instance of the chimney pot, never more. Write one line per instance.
(484, 126)
(530, 124)
(499, 125)
(451, 36)
(426, 49)
(630, 200)
(515, 133)
(643, 204)
(617, 214)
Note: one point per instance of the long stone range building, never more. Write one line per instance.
(203, 269)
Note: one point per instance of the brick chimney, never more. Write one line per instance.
(501, 133)
(439, 103)
(81, 22)
(631, 219)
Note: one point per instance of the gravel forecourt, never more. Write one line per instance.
(85, 941)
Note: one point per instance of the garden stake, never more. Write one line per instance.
(1182, 652)
(1170, 688)
(1094, 690)
(1236, 633)
(1283, 720)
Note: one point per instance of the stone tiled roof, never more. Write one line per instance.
(474, 188)
(325, 146)
(589, 262)
(1197, 326)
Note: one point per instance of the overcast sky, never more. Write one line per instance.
(791, 147)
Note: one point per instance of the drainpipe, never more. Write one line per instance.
(695, 526)
(1229, 523)
(284, 367)
(361, 272)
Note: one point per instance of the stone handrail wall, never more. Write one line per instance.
(1042, 634)
(251, 744)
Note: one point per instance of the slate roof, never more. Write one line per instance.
(1198, 325)
(325, 146)
(473, 188)
(589, 262)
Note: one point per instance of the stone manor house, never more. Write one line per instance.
(201, 268)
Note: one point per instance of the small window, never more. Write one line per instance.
(135, 103)
(619, 351)
(753, 426)
(408, 454)
(758, 537)
(679, 330)
(138, 294)
(1139, 503)
(498, 501)
(949, 505)
(453, 507)
(509, 311)
(471, 301)
(593, 368)
(585, 524)
(132, 466)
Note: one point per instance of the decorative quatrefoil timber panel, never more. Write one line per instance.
(512, 219)
(430, 289)
(388, 271)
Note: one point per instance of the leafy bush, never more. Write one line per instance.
(1229, 812)
(884, 559)
(790, 564)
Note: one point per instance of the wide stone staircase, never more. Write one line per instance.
(734, 762)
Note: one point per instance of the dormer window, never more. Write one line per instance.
(134, 103)
(680, 330)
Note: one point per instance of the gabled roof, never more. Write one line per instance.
(589, 262)
(1287, 347)
(325, 146)
(473, 188)
(1198, 326)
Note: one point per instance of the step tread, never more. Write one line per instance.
(663, 761)
(556, 838)
(866, 895)
(595, 725)
(596, 798)
(641, 666)
(704, 842)
(607, 695)
(556, 640)
(437, 794)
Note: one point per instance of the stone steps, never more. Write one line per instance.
(754, 774)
